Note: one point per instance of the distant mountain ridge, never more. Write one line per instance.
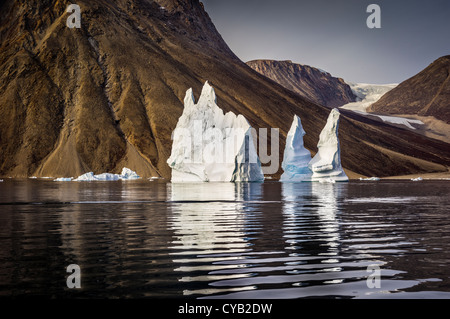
(312, 83)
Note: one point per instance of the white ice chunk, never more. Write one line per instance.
(418, 179)
(64, 179)
(127, 174)
(326, 165)
(296, 157)
(369, 179)
(210, 146)
(86, 177)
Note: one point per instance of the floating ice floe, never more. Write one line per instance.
(1, 180)
(296, 157)
(210, 146)
(327, 162)
(126, 174)
(370, 179)
(418, 179)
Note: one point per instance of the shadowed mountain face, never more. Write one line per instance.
(108, 95)
(311, 83)
(425, 94)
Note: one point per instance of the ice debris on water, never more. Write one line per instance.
(127, 174)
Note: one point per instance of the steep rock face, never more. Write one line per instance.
(311, 83)
(109, 95)
(426, 94)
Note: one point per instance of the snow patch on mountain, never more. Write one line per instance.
(394, 119)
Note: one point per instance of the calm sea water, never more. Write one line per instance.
(140, 239)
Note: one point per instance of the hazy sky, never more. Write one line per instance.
(333, 35)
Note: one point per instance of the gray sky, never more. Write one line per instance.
(333, 35)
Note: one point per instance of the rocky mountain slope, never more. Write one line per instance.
(108, 95)
(425, 94)
(311, 83)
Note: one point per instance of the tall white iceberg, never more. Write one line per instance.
(296, 157)
(210, 146)
(326, 165)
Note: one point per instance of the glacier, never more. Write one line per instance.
(296, 157)
(126, 174)
(326, 164)
(367, 94)
(210, 146)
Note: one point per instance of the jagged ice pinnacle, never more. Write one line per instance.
(210, 146)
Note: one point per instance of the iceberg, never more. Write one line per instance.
(326, 164)
(210, 146)
(296, 157)
(127, 174)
